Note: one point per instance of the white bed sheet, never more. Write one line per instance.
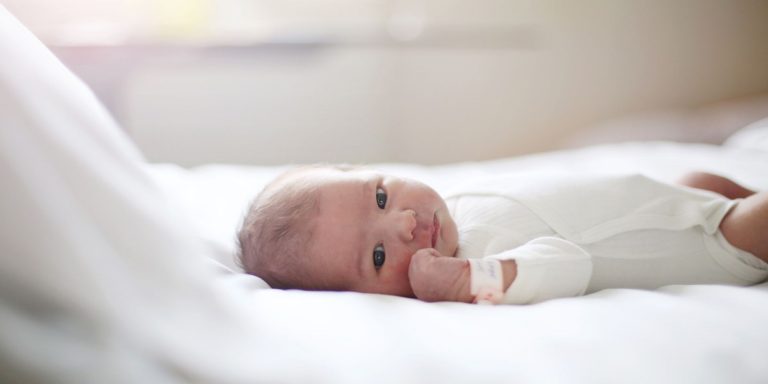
(693, 334)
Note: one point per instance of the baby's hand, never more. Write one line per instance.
(439, 278)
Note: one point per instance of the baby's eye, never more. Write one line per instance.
(378, 256)
(381, 197)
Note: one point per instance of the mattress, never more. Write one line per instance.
(705, 333)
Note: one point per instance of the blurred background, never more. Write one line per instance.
(425, 81)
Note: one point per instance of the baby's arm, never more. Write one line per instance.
(542, 269)
(438, 278)
(547, 268)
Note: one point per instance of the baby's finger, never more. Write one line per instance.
(420, 263)
(429, 252)
(422, 257)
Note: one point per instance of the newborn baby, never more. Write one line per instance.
(514, 239)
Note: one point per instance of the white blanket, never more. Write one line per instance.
(103, 279)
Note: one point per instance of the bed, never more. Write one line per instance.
(115, 270)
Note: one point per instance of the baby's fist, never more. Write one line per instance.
(439, 278)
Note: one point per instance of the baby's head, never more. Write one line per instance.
(342, 228)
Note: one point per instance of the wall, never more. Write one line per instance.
(482, 79)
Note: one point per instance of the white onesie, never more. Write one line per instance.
(571, 235)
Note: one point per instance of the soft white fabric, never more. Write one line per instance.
(597, 232)
(709, 333)
(754, 136)
(547, 268)
(586, 208)
(101, 281)
(486, 280)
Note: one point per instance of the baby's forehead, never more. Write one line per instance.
(342, 205)
(338, 192)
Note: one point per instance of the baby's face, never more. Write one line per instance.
(368, 227)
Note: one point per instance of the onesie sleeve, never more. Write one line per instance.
(547, 268)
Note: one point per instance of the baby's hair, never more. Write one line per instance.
(278, 228)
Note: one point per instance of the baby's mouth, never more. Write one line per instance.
(435, 230)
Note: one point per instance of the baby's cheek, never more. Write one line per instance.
(397, 279)
(403, 264)
(402, 267)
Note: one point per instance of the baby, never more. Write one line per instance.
(515, 239)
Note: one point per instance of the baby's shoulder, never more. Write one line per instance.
(478, 209)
